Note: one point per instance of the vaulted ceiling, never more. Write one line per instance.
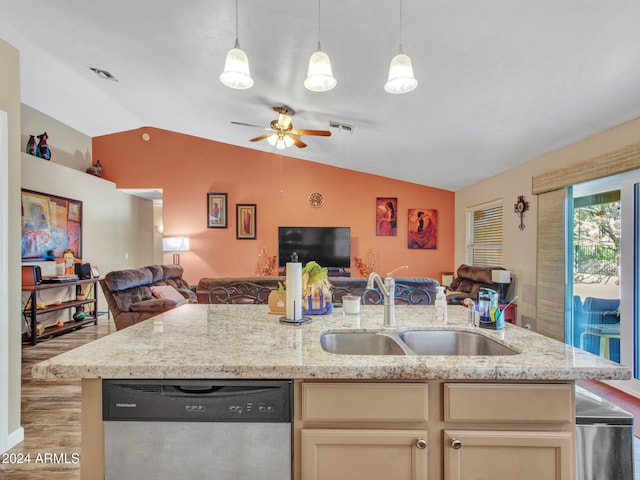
(501, 82)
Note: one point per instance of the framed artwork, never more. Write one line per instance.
(217, 210)
(386, 217)
(423, 228)
(246, 221)
(50, 225)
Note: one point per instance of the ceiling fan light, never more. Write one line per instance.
(401, 79)
(280, 141)
(319, 75)
(272, 139)
(288, 141)
(236, 69)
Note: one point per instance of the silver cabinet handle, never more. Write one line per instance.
(456, 444)
(421, 444)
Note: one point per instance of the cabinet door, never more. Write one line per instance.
(347, 454)
(475, 455)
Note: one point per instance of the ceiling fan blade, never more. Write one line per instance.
(318, 133)
(250, 125)
(261, 137)
(297, 142)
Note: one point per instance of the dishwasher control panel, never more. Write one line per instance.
(197, 400)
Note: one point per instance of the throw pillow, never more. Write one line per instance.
(168, 292)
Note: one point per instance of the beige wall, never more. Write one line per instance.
(520, 246)
(117, 227)
(68, 147)
(10, 363)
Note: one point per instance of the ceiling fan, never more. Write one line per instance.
(284, 135)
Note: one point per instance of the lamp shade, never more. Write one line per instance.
(500, 276)
(319, 75)
(175, 244)
(236, 69)
(401, 79)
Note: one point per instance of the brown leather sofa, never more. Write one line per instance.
(415, 291)
(129, 296)
(469, 279)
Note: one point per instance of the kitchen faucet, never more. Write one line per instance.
(387, 288)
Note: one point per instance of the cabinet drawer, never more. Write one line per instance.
(371, 402)
(483, 402)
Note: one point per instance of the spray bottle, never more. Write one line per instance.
(441, 306)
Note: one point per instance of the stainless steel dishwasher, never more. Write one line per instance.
(197, 429)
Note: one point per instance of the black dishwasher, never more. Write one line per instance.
(197, 429)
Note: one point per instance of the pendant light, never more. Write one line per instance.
(401, 79)
(236, 67)
(319, 75)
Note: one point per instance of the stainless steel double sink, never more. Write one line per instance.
(412, 342)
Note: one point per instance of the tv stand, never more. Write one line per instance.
(338, 272)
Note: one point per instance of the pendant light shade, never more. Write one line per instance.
(236, 66)
(401, 79)
(319, 75)
(236, 69)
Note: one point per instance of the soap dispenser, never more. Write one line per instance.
(441, 306)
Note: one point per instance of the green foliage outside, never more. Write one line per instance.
(596, 241)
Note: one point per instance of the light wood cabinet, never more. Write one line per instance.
(506, 455)
(350, 430)
(346, 454)
(451, 430)
(522, 431)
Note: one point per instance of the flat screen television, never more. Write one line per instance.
(329, 246)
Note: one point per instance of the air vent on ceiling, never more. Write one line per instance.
(103, 74)
(341, 127)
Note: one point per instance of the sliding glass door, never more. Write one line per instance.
(594, 267)
(630, 277)
(603, 271)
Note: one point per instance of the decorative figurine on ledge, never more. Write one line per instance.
(43, 150)
(31, 145)
(95, 169)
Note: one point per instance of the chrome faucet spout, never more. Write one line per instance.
(373, 279)
(387, 287)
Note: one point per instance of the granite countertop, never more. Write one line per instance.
(245, 341)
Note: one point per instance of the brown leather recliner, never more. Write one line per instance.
(469, 279)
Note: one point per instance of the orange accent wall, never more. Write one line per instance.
(187, 167)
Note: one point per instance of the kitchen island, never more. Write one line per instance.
(410, 403)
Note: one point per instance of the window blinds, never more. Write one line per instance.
(484, 234)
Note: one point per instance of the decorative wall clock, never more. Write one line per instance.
(520, 207)
(316, 199)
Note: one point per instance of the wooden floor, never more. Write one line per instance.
(50, 413)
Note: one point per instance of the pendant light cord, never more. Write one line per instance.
(236, 21)
(400, 24)
(319, 31)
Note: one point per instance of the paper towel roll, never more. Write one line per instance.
(294, 291)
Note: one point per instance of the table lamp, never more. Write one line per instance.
(502, 277)
(175, 244)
